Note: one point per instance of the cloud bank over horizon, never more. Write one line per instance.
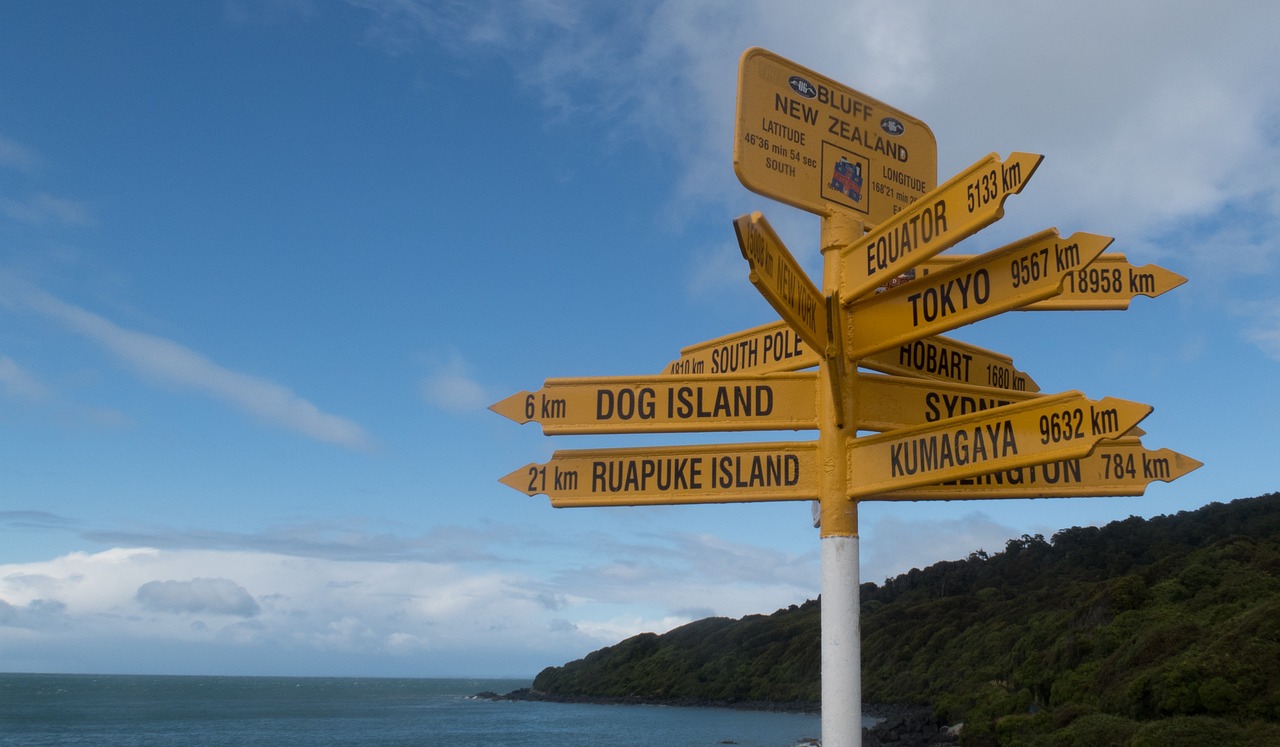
(337, 592)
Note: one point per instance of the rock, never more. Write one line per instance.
(907, 726)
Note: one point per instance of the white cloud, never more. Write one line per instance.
(1264, 329)
(547, 602)
(451, 387)
(42, 208)
(588, 569)
(625, 626)
(237, 600)
(895, 546)
(38, 520)
(169, 362)
(14, 155)
(717, 273)
(219, 596)
(673, 573)
(18, 384)
(1161, 135)
(1144, 126)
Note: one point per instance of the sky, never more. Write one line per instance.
(264, 265)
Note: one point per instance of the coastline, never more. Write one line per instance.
(529, 694)
(899, 724)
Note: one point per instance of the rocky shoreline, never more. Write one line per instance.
(526, 693)
(899, 725)
(908, 726)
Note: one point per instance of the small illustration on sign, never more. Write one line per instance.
(892, 126)
(847, 179)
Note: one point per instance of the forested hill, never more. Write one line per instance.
(1155, 631)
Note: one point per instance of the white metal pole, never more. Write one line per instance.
(841, 634)
(841, 644)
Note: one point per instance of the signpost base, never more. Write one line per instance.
(841, 644)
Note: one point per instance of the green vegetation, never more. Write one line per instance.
(773, 659)
(1156, 632)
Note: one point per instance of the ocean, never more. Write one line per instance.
(145, 710)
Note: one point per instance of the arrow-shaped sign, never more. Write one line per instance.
(967, 203)
(782, 281)
(775, 347)
(764, 349)
(945, 359)
(1109, 283)
(1114, 468)
(1000, 280)
(885, 403)
(668, 404)
(1045, 429)
(673, 474)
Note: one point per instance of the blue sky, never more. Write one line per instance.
(264, 265)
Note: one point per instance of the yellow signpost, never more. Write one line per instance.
(945, 359)
(759, 350)
(668, 404)
(673, 474)
(781, 280)
(1109, 283)
(774, 347)
(811, 142)
(965, 204)
(955, 421)
(1000, 280)
(1047, 428)
(886, 403)
(1114, 468)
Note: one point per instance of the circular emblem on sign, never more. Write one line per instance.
(802, 86)
(892, 125)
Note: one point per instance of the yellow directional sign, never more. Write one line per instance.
(673, 474)
(1002, 279)
(946, 359)
(1044, 429)
(968, 202)
(775, 347)
(1114, 468)
(811, 142)
(885, 403)
(1108, 283)
(668, 404)
(764, 349)
(781, 280)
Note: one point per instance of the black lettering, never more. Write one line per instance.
(932, 413)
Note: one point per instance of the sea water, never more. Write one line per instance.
(117, 710)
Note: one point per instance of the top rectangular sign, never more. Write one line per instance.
(811, 142)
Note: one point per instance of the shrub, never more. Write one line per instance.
(1097, 730)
